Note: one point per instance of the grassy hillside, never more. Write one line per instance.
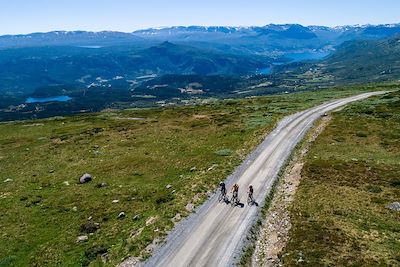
(339, 215)
(153, 161)
(23, 70)
(354, 62)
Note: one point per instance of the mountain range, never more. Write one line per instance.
(176, 64)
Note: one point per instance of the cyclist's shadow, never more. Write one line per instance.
(238, 204)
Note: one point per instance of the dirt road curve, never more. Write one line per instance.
(215, 234)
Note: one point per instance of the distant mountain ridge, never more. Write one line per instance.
(312, 37)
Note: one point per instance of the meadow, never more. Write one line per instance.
(150, 167)
(340, 215)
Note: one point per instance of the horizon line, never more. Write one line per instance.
(204, 26)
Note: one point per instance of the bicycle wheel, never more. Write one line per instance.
(250, 201)
(233, 201)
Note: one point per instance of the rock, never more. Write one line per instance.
(85, 178)
(136, 217)
(8, 180)
(394, 206)
(115, 201)
(121, 215)
(82, 238)
(193, 169)
(101, 185)
(150, 248)
(51, 171)
(66, 183)
(90, 218)
(151, 220)
(75, 208)
(129, 262)
(136, 233)
(189, 207)
(168, 186)
(177, 217)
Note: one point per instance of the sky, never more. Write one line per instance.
(27, 16)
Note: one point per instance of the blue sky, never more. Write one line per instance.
(26, 16)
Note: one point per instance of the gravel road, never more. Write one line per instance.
(215, 234)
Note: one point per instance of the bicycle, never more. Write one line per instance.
(234, 199)
(222, 197)
(250, 200)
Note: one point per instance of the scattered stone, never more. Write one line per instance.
(51, 171)
(121, 215)
(151, 220)
(177, 217)
(66, 183)
(394, 206)
(85, 178)
(90, 218)
(168, 186)
(189, 207)
(8, 180)
(75, 208)
(136, 217)
(115, 201)
(101, 185)
(150, 248)
(136, 233)
(82, 238)
(193, 169)
(212, 167)
(129, 262)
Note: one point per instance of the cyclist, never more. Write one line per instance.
(250, 192)
(223, 190)
(235, 193)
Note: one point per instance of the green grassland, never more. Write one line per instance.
(352, 172)
(41, 216)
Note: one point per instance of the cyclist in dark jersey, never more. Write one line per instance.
(250, 192)
(222, 188)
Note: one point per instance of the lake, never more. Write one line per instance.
(60, 98)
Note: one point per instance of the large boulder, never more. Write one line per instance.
(394, 206)
(85, 178)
